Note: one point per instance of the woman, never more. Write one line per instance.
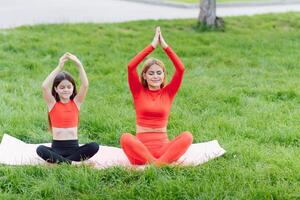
(63, 104)
(152, 101)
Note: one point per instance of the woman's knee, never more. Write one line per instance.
(125, 138)
(188, 137)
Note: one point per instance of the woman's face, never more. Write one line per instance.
(154, 76)
(64, 89)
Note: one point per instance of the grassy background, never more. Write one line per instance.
(241, 87)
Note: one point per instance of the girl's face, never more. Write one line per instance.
(64, 89)
(154, 77)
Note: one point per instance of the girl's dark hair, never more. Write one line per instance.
(59, 78)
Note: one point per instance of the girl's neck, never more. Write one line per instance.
(64, 101)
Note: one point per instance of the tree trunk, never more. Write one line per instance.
(207, 15)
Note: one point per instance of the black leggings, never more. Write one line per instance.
(66, 151)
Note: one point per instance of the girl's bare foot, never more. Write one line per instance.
(86, 163)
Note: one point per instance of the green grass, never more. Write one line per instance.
(241, 87)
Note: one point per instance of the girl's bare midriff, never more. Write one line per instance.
(64, 133)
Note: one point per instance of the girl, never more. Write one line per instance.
(63, 104)
(152, 101)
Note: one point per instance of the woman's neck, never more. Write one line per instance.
(152, 88)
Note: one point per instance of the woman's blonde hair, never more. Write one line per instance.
(148, 63)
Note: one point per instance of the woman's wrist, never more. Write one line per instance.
(153, 45)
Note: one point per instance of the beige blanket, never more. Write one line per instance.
(16, 152)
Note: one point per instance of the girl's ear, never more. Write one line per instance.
(144, 75)
(55, 88)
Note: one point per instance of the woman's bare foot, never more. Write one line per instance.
(159, 163)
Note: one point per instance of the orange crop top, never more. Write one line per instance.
(153, 107)
(64, 115)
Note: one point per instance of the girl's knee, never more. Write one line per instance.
(93, 147)
(40, 150)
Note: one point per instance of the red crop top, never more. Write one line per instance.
(64, 115)
(153, 107)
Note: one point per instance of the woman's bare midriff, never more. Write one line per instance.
(141, 129)
(64, 133)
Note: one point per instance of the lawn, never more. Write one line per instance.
(241, 87)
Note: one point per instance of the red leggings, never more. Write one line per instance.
(153, 147)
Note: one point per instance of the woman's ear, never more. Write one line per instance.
(144, 75)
